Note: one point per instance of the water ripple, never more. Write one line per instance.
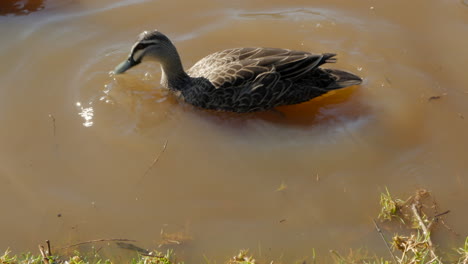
(57, 18)
(321, 14)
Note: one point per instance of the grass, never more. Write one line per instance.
(390, 208)
(357, 256)
(23, 258)
(415, 249)
(78, 258)
(412, 247)
(463, 252)
(413, 213)
(242, 258)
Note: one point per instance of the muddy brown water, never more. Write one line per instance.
(77, 144)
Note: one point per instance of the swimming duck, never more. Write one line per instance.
(241, 79)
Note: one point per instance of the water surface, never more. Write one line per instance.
(78, 144)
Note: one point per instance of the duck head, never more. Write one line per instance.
(151, 45)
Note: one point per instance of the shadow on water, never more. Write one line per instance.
(26, 7)
(20, 7)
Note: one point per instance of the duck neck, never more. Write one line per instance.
(173, 75)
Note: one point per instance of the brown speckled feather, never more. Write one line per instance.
(238, 67)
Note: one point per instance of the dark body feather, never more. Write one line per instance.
(257, 79)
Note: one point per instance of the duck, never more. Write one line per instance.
(240, 80)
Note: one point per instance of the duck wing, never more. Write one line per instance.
(256, 67)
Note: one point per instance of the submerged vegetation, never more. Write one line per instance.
(415, 218)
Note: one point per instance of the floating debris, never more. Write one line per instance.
(434, 97)
(177, 238)
(282, 187)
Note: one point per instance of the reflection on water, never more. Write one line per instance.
(86, 113)
(20, 7)
(82, 143)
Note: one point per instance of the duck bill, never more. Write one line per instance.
(124, 66)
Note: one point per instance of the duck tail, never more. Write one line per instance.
(342, 79)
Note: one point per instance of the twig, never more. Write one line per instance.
(441, 214)
(434, 97)
(48, 248)
(385, 240)
(435, 219)
(99, 240)
(45, 257)
(336, 254)
(425, 230)
(156, 159)
(132, 247)
(53, 122)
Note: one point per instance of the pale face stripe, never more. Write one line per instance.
(138, 54)
(140, 47)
